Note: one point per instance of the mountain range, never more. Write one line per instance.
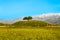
(53, 18)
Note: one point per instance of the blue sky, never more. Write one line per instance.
(11, 9)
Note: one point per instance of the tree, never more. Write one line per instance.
(27, 18)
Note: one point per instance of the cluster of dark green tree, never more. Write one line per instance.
(27, 18)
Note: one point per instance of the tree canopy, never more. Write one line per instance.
(27, 18)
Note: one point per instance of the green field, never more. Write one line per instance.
(29, 33)
(29, 30)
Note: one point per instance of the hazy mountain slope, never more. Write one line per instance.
(11, 21)
(50, 18)
(54, 20)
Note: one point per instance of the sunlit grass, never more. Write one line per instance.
(29, 34)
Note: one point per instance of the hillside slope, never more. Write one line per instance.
(33, 23)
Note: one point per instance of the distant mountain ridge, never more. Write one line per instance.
(53, 18)
(10, 21)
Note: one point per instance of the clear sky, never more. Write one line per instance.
(11, 9)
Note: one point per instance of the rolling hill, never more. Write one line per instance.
(39, 20)
(32, 23)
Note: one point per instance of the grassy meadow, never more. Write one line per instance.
(29, 30)
(29, 33)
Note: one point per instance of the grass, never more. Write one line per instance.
(29, 33)
(32, 23)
